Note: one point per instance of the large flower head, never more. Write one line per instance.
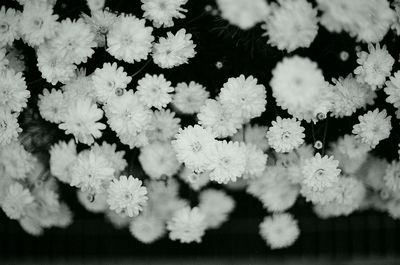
(154, 91)
(9, 127)
(52, 105)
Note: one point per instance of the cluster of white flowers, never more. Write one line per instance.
(133, 180)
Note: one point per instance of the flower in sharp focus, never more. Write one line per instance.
(154, 91)
(285, 134)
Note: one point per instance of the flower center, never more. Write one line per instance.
(4, 27)
(196, 147)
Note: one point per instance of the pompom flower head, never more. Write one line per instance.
(16, 201)
(154, 91)
(285, 134)
(162, 12)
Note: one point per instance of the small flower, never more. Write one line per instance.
(62, 156)
(13, 91)
(285, 135)
(164, 125)
(162, 12)
(16, 200)
(147, 228)
(189, 98)
(154, 91)
(52, 105)
(392, 177)
(216, 205)
(9, 23)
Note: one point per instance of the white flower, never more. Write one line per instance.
(127, 115)
(147, 228)
(15, 161)
(187, 225)
(189, 98)
(62, 156)
(127, 195)
(13, 91)
(100, 23)
(154, 91)
(91, 171)
(243, 13)
(254, 134)
(373, 127)
(221, 120)
(37, 23)
(129, 39)
(74, 41)
(52, 105)
(256, 161)
(164, 125)
(16, 201)
(193, 146)
(228, 162)
(392, 176)
(298, 86)
(292, 25)
(158, 159)
(285, 134)
(109, 81)
(173, 50)
(81, 120)
(392, 89)
(279, 230)
(320, 173)
(9, 23)
(9, 127)
(245, 96)
(375, 66)
(216, 205)
(162, 12)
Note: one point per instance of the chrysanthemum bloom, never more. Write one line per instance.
(256, 161)
(228, 162)
(392, 176)
(164, 125)
(285, 134)
(392, 89)
(174, 50)
(154, 91)
(279, 230)
(82, 120)
(91, 171)
(292, 25)
(129, 39)
(187, 225)
(52, 105)
(13, 91)
(374, 126)
(299, 87)
(147, 228)
(193, 146)
(158, 159)
(15, 161)
(162, 12)
(110, 81)
(242, 13)
(375, 66)
(216, 205)
(9, 127)
(189, 98)
(62, 156)
(127, 195)
(16, 201)
(245, 96)
(37, 23)
(9, 23)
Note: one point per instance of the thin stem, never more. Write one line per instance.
(141, 69)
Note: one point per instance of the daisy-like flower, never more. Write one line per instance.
(91, 171)
(129, 39)
(62, 156)
(392, 89)
(13, 92)
(115, 157)
(52, 105)
(374, 126)
(228, 162)
(16, 201)
(243, 13)
(292, 25)
(162, 12)
(347, 95)
(147, 228)
(173, 50)
(187, 225)
(320, 173)
(74, 41)
(189, 98)
(256, 161)
(110, 81)
(298, 86)
(127, 115)
(100, 23)
(285, 135)
(392, 176)
(154, 91)
(375, 66)
(9, 127)
(216, 205)
(221, 120)
(164, 125)
(193, 146)
(82, 120)
(254, 134)
(9, 23)
(37, 23)
(15, 161)
(245, 96)
(159, 160)
(279, 230)
(127, 195)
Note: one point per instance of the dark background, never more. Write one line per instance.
(367, 234)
